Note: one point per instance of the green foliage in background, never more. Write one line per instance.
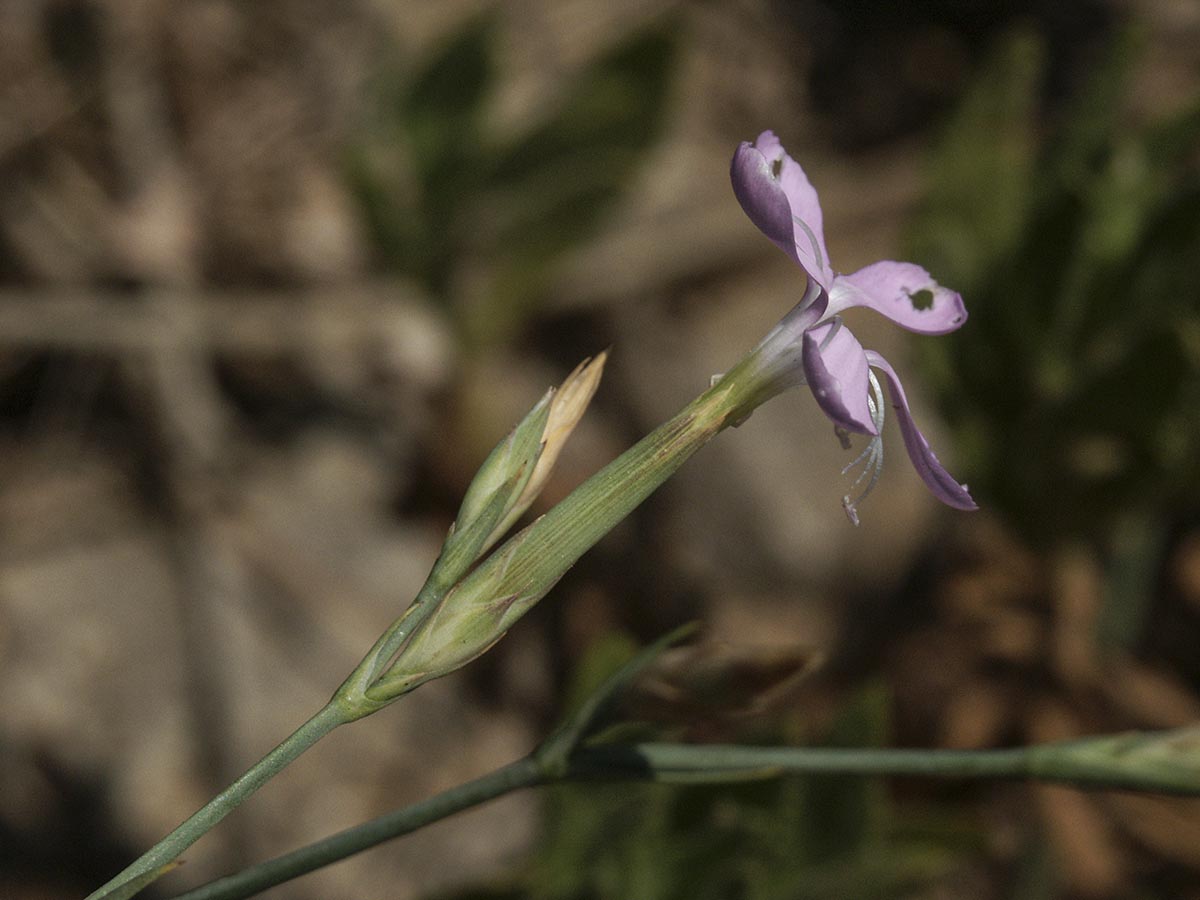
(793, 838)
(1075, 387)
(480, 219)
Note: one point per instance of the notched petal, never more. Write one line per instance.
(943, 485)
(761, 196)
(905, 293)
(764, 177)
(837, 372)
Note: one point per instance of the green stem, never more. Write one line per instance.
(171, 846)
(550, 546)
(522, 774)
(716, 762)
(1158, 762)
(1166, 762)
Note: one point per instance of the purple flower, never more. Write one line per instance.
(811, 345)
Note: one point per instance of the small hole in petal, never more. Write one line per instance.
(922, 299)
(777, 168)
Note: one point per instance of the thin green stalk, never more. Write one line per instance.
(716, 762)
(522, 774)
(1165, 762)
(171, 846)
(551, 546)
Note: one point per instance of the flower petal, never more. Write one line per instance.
(904, 292)
(836, 368)
(940, 482)
(780, 200)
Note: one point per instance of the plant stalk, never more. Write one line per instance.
(187, 833)
(521, 774)
(1129, 762)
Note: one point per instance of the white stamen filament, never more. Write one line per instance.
(872, 455)
(812, 291)
(828, 339)
(812, 241)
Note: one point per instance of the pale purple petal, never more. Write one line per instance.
(940, 482)
(809, 230)
(836, 368)
(780, 200)
(904, 292)
(762, 196)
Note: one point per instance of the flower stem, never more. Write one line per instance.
(205, 818)
(521, 774)
(1163, 762)
(551, 546)
(715, 762)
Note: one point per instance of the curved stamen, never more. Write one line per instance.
(872, 455)
(812, 290)
(836, 321)
(812, 241)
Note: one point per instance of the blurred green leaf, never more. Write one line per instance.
(603, 658)
(550, 188)
(845, 814)
(608, 669)
(443, 106)
(442, 196)
(1164, 269)
(607, 118)
(1070, 385)
(984, 166)
(422, 158)
(1037, 876)
(1135, 559)
(1084, 137)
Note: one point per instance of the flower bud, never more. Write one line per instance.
(473, 616)
(474, 610)
(515, 472)
(519, 450)
(567, 406)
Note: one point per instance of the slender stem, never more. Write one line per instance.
(1165, 762)
(1157, 762)
(171, 846)
(546, 550)
(522, 774)
(715, 762)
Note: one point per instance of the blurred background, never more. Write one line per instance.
(274, 277)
